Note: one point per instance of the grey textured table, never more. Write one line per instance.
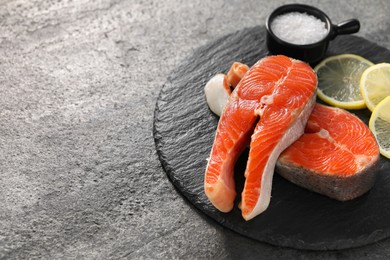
(79, 174)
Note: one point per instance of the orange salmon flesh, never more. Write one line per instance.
(333, 139)
(336, 156)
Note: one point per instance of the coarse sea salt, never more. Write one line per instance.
(299, 28)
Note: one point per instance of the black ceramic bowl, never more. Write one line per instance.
(314, 52)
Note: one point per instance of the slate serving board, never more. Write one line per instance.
(184, 130)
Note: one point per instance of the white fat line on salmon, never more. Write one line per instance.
(360, 159)
(282, 79)
(269, 99)
(264, 101)
(325, 134)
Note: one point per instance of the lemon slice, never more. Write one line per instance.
(375, 84)
(339, 80)
(380, 126)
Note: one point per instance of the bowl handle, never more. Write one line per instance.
(346, 27)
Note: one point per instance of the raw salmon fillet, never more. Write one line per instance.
(268, 109)
(336, 156)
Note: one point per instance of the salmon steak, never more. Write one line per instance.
(336, 156)
(268, 110)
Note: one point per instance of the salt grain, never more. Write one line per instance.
(299, 28)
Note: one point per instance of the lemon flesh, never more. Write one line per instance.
(380, 126)
(375, 84)
(339, 80)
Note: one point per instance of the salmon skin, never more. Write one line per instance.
(268, 110)
(337, 156)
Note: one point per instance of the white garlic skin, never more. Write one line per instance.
(217, 93)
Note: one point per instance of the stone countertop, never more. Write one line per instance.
(79, 174)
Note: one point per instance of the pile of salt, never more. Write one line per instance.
(298, 28)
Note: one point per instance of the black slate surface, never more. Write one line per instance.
(184, 129)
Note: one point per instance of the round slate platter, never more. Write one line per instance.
(184, 130)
